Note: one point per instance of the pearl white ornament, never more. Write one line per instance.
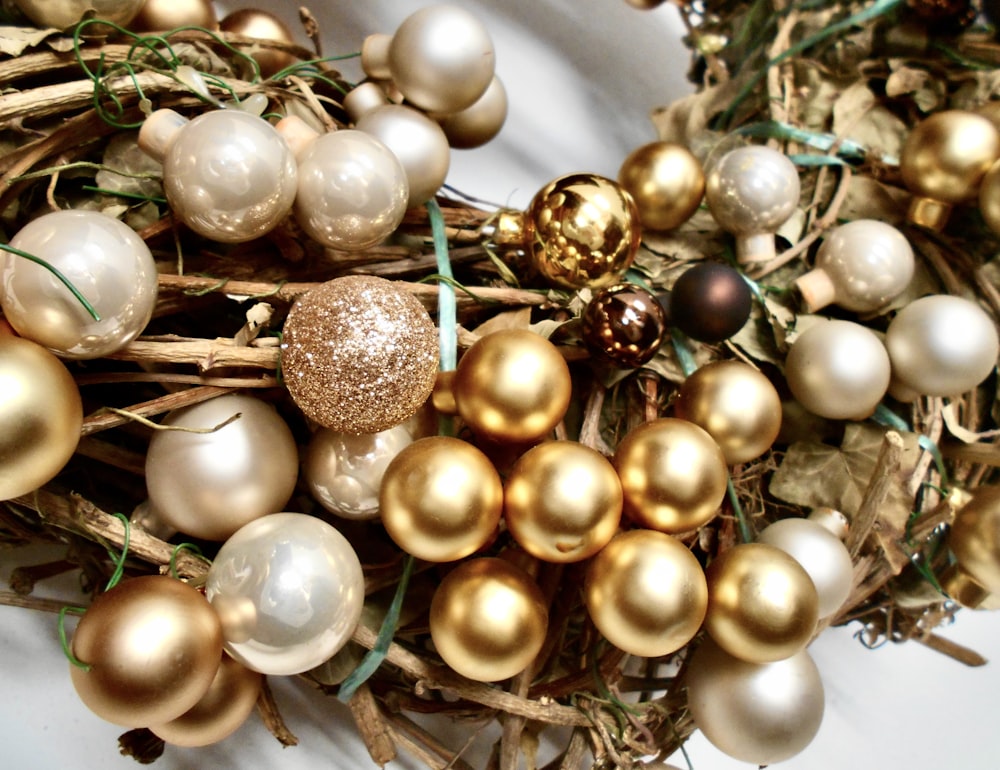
(478, 123)
(289, 590)
(104, 258)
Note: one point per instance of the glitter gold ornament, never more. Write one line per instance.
(710, 302)
(974, 539)
(666, 181)
(673, 475)
(153, 646)
(162, 15)
(488, 619)
(359, 355)
(624, 325)
(562, 501)
(646, 593)
(441, 499)
(62, 14)
(478, 123)
(254, 22)
(735, 404)
(512, 386)
(41, 415)
(762, 604)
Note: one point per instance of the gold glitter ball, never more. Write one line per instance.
(359, 355)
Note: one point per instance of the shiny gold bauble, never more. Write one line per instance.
(512, 386)
(666, 181)
(673, 475)
(153, 645)
(762, 604)
(562, 501)
(943, 161)
(161, 15)
(253, 22)
(220, 712)
(40, 415)
(736, 404)
(646, 593)
(761, 713)
(488, 619)
(441, 499)
(974, 538)
(62, 14)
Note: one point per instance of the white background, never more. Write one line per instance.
(582, 78)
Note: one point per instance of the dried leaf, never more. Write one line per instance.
(858, 116)
(512, 319)
(926, 91)
(16, 40)
(868, 198)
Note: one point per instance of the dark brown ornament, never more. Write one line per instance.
(710, 302)
(624, 324)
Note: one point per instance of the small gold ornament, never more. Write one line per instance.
(974, 539)
(762, 604)
(488, 619)
(562, 501)
(163, 15)
(478, 123)
(441, 499)
(254, 22)
(673, 475)
(63, 14)
(666, 181)
(153, 645)
(646, 593)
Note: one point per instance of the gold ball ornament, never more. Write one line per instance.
(161, 15)
(646, 593)
(943, 162)
(221, 711)
(761, 713)
(488, 619)
(562, 501)
(512, 386)
(762, 604)
(736, 404)
(254, 22)
(989, 198)
(441, 499)
(666, 181)
(478, 123)
(41, 415)
(673, 475)
(62, 14)
(974, 539)
(359, 355)
(153, 645)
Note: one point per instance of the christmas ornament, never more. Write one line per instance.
(512, 386)
(666, 181)
(417, 141)
(289, 590)
(254, 22)
(751, 192)
(562, 501)
(441, 499)
(943, 161)
(231, 697)
(761, 713)
(762, 604)
(352, 190)
(344, 471)
(488, 619)
(861, 266)
(153, 646)
(822, 554)
(580, 230)
(441, 58)
(989, 197)
(62, 14)
(209, 484)
(624, 325)
(974, 539)
(673, 475)
(710, 302)
(940, 345)
(646, 593)
(162, 15)
(838, 370)
(40, 416)
(478, 123)
(644, 5)
(104, 258)
(227, 174)
(359, 355)
(735, 404)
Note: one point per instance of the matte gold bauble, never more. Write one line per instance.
(673, 475)
(359, 354)
(488, 619)
(441, 499)
(62, 14)
(736, 404)
(153, 645)
(624, 325)
(974, 538)
(989, 198)
(512, 386)
(479, 123)
(161, 15)
(761, 713)
(562, 501)
(666, 181)
(762, 604)
(220, 712)
(253, 22)
(646, 593)
(40, 415)
(943, 161)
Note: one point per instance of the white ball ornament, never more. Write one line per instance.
(478, 123)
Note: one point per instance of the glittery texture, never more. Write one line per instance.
(359, 355)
